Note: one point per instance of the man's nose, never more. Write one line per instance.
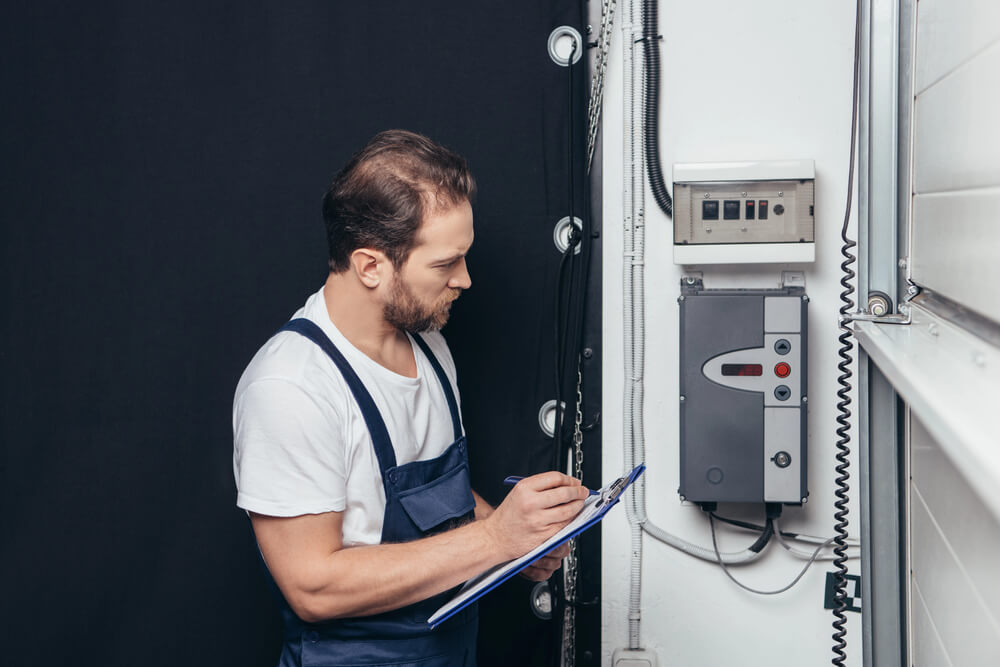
(461, 279)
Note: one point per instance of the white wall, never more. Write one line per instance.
(764, 80)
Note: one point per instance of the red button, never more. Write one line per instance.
(782, 370)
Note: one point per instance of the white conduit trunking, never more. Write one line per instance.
(633, 304)
(632, 198)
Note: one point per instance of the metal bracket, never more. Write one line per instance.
(793, 279)
(692, 280)
(905, 315)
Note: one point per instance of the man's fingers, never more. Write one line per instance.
(561, 495)
(560, 551)
(549, 480)
(561, 514)
(542, 568)
(550, 563)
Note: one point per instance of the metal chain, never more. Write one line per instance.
(571, 570)
(597, 82)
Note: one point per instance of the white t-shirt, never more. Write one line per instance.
(301, 444)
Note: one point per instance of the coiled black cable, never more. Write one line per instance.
(844, 393)
(651, 107)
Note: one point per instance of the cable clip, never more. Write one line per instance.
(648, 38)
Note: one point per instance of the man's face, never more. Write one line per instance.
(434, 274)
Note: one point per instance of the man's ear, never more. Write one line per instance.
(369, 266)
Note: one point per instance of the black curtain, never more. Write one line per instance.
(163, 166)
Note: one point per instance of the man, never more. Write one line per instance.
(349, 451)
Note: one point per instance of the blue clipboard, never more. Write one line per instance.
(596, 508)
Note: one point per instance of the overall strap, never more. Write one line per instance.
(373, 418)
(445, 384)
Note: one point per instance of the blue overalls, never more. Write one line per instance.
(421, 498)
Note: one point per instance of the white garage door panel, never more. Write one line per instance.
(956, 139)
(968, 632)
(970, 529)
(927, 648)
(956, 247)
(950, 32)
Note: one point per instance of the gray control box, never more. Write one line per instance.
(743, 389)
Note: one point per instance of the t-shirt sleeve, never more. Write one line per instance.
(288, 454)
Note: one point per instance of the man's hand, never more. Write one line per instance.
(543, 568)
(535, 509)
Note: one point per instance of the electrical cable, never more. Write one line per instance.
(561, 335)
(844, 393)
(805, 554)
(725, 568)
(787, 534)
(570, 314)
(651, 106)
(729, 557)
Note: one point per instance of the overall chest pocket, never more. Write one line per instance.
(447, 497)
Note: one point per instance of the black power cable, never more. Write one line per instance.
(568, 340)
(843, 394)
(568, 257)
(651, 106)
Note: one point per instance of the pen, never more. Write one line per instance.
(514, 479)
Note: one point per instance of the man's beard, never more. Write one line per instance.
(404, 311)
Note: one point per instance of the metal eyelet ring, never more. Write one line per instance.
(541, 601)
(560, 233)
(547, 417)
(561, 45)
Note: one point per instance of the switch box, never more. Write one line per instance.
(767, 212)
(743, 391)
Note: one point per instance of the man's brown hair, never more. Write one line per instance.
(380, 198)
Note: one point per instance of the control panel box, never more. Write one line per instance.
(743, 398)
(744, 212)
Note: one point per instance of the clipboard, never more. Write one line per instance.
(594, 509)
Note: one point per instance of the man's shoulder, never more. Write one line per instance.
(291, 358)
(439, 347)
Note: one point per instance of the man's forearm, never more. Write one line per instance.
(366, 580)
(321, 579)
